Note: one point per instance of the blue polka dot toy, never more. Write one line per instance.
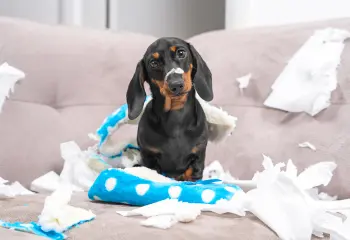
(117, 186)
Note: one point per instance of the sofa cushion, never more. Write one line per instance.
(109, 225)
(264, 52)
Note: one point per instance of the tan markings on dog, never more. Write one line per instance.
(155, 55)
(186, 176)
(175, 102)
(173, 48)
(195, 149)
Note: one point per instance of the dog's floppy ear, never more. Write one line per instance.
(201, 76)
(136, 94)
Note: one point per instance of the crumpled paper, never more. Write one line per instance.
(9, 76)
(76, 171)
(305, 85)
(166, 213)
(12, 190)
(285, 200)
(282, 201)
(57, 215)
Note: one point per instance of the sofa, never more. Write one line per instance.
(75, 77)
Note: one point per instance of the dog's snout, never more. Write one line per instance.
(176, 86)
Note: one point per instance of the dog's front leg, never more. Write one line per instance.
(198, 165)
(195, 170)
(150, 160)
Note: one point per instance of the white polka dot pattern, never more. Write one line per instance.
(208, 195)
(174, 192)
(142, 189)
(230, 189)
(110, 184)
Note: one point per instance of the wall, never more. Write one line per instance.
(251, 13)
(179, 18)
(37, 10)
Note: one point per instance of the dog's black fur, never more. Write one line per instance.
(173, 132)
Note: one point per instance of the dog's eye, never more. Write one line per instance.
(154, 64)
(181, 53)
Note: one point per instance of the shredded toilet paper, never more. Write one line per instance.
(244, 81)
(305, 85)
(76, 171)
(285, 200)
(57, 215)
(9, 76)
(307, 145)
(12, 190)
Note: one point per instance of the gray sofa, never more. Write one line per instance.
(76, 77)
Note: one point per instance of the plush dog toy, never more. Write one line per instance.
(141, 186)
(126, 154)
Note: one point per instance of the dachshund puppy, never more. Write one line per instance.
(173, 131)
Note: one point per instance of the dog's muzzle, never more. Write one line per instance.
(175, 80)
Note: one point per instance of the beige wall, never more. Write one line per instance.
(251, 13)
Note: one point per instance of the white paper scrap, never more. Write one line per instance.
(12, 190)
(57, 215)
(307, 145)
(244, 81)
(162, 221)
(306, 83)
(9, 76)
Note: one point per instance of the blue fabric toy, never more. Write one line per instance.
(35, 228)
(118, 186)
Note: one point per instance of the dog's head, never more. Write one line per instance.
(170, 66)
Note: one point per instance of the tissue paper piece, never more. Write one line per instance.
(12, 190)
(162, 221)
(148, 174)
(307, 145)
(176, 211)
(215, 171)
(58, 216)
(316, 175)
(76, 171)
(244, 81)
(48, 183)
(286, 201)
(305, 85)
(281, 206)
(9, 76)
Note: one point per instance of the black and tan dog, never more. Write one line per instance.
(173, 131)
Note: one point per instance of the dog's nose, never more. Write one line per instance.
(176, 86)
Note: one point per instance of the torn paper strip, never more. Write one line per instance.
(12, 190)
(306, 83)
(307, 145)
(244, 81)
(162, 221)
(76, 170)
(9, 76)
(48, 183)
(58, 216)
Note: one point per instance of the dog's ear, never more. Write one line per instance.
(136, 94)
(201, 76)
